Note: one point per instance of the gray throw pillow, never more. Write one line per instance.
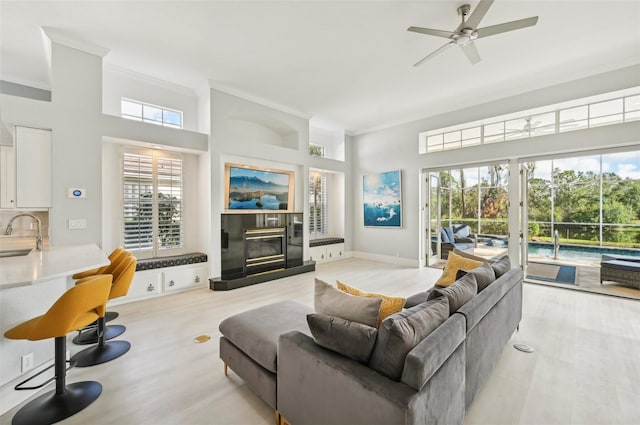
(501, 266)
(333, 302)
(484, 275)
(351, 339)
(458, 293)
(418, 298)
(402, 331)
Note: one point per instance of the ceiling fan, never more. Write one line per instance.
(468, 31)
(528, 128)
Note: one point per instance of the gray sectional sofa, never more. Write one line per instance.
(441, 375)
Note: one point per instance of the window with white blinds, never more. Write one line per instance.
(152, 202)
(318, 212)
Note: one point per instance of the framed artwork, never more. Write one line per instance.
(251, 189)
(382, 199)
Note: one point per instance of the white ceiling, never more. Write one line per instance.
(348, 64)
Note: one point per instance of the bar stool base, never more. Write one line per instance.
(51, 407)
(91, 336)
(100, 354)
(110, 315)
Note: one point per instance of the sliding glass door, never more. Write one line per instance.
(578, 209)
(434, 219)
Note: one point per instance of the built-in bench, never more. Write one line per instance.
(326, 249)
(171, 261)
(325, 241)
(165, 275)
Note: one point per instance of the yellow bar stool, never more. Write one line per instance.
(76, 308)
(104, 350)
(115, 257)
(89, 334)
(115, 254)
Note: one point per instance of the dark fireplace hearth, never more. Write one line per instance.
(260, 247)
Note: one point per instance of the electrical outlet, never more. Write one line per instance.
(27, 362)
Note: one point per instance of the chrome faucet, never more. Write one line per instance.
(38, 222)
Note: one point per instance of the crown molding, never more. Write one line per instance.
(256, 99)
(143, 78)
(59, 37)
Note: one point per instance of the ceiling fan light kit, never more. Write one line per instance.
(468, 31)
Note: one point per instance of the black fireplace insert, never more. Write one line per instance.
(261, 243)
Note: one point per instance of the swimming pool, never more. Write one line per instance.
(578, 252)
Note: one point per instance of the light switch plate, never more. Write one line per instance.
(77, 223)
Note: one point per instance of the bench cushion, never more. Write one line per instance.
(171, 261)
(608, 257)
(256, 331)
(622, 265)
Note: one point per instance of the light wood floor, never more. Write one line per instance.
(585, 370)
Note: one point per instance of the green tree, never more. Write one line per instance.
(168, 217)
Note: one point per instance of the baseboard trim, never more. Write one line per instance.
(11, 397)
(407, 262)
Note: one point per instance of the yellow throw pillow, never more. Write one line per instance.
(388, 306)
(455, 263)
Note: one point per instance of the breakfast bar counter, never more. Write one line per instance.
(51, 263)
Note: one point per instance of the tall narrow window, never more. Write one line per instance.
(318, 220)
(152, 202)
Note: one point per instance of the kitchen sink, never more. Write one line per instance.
(14, 252)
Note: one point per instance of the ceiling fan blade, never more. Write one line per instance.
(476, 16)
(429, 31)
(507, 26)
(434, 53)
(471, 52)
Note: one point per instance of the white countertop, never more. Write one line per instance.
(51, 263)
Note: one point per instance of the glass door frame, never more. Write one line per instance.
(432, 182)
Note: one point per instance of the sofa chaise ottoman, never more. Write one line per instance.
(249, 344)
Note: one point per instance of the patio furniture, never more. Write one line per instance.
(620, 269)
(458, 236)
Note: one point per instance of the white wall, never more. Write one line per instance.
(78, 128)
(76, 89)
(336, 204)
(119, 83)
(20, 111)
(271, 144)
(397, 148)
(333, 140)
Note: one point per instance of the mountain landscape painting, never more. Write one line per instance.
(256, 189)
(382, 199)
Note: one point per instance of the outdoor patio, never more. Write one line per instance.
(587, 273)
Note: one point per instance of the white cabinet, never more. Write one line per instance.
(146, 283)
(7, 177)
(164, 281)
(181, 278)
(25, 170)
(33, 168)
(324, 253)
